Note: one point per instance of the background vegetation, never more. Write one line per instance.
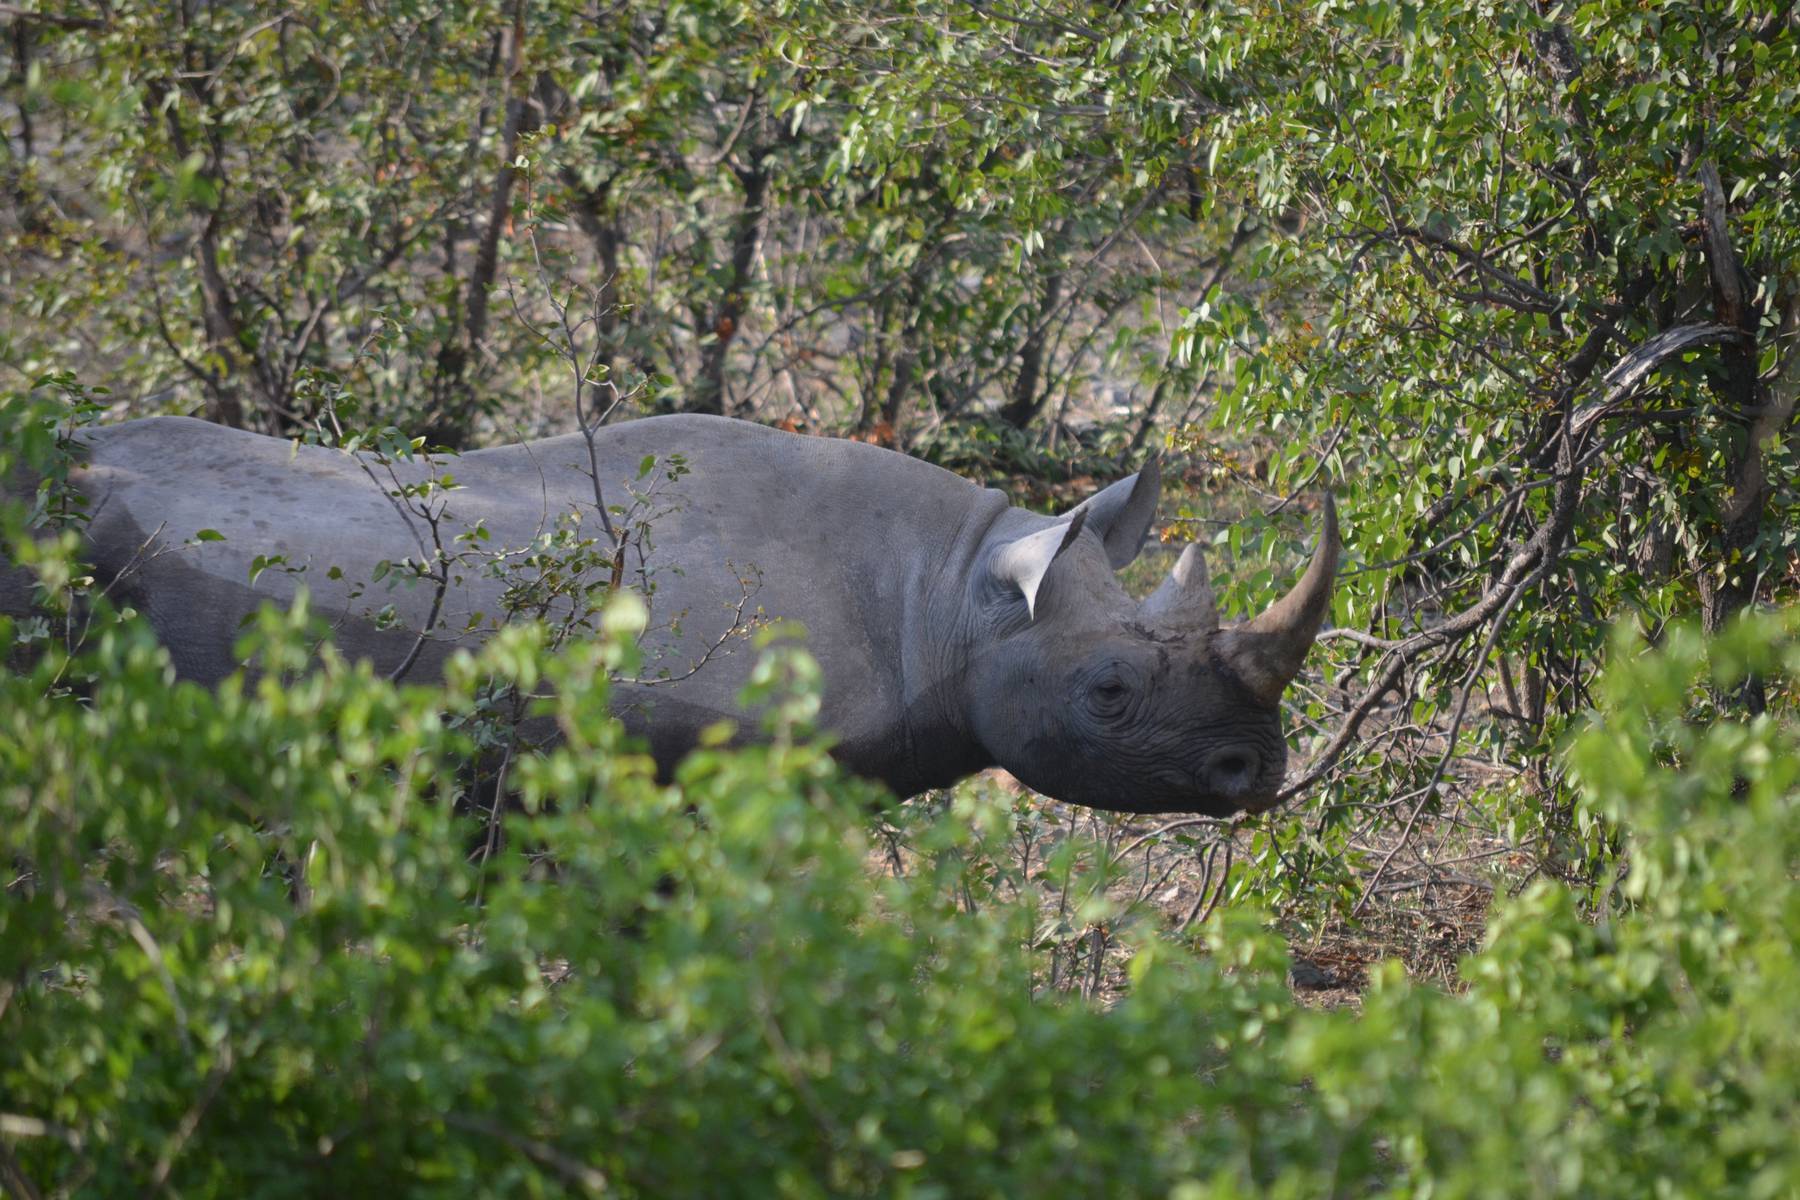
(1520, 282)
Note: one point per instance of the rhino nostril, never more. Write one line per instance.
(1232, 770)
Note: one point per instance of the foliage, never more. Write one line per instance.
(1538, 310)
(1522, 229)
(231, 201)
(1517, 281)
(247, 948)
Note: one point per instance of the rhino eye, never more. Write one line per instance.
(1109, 695)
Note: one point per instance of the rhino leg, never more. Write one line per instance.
(17, 584)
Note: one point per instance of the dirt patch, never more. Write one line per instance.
(1101, 877)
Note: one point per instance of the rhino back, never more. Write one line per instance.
(864, 547)
(160, 489)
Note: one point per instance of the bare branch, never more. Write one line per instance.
(589, 1179)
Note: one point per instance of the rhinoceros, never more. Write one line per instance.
(954, 631)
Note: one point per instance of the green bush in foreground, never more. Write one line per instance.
(245, 950)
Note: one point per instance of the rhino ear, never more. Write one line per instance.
(1024, 563)
(1121, 514)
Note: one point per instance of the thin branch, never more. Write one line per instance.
(589, 1179)
(1462, 707)
(59, 20)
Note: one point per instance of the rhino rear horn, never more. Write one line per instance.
(1185, 599)
(1267, 651)
(1024, 563)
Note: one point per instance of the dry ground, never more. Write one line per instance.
(1175, 873)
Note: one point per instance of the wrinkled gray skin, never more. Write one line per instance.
(954, 632)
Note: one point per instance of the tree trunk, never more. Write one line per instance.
(905, 362)
(708, 395)
(594, 216)
(17, 75)
(1728, 585)
(1026, 402)
(1147, 422)
(455, 410)
(224, 402)
(867, 411)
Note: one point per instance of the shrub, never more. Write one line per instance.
(256, 942)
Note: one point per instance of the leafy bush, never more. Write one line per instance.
(247, 949)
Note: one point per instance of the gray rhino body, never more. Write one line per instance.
(954, 631)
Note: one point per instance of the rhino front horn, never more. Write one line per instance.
(1267, 651)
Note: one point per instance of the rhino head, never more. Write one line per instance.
(1092, 697)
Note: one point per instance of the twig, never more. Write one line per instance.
(190, 1121)
(17, 1125)
(1462, 707)
(43, 18)
(13, 1176)
(1204, 906)
(589, 1179)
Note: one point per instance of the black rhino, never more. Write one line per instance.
(954, 632)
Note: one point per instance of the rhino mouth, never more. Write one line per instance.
(1216, 778)
(1231, 806)
(1258, 804)
(1179, 795)
(1243, 779)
